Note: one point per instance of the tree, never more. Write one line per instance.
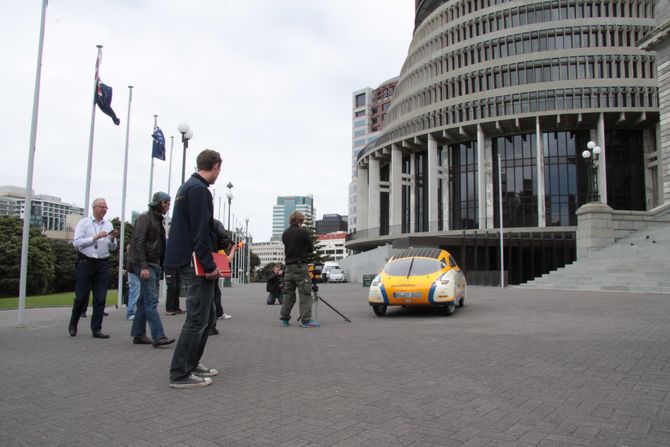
(315, 256)
(65, 262)
(41, 259)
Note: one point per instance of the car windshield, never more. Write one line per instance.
(419, 266)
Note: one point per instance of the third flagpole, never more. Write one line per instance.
(89, 163)
(151, 175)
(122, 236)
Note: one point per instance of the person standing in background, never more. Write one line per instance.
(94, 238)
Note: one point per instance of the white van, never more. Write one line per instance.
(334, 267)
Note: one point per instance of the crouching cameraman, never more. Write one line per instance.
(275, 285)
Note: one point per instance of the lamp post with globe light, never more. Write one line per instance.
(229, 195)
(590, 155)
(186, 134)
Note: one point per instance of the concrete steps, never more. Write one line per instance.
(640, 262)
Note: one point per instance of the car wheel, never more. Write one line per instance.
(449, 309)
(461, 303)
(379, 309)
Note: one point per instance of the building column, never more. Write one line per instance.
(445, 188)
(374, 208)
(412, 193)
(539, 173)
(362, 198)
(602, 161)
(484, 180)
(395, 205)
(432, 183)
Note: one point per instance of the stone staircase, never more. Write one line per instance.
(639, 262)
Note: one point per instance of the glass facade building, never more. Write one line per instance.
(527, 83)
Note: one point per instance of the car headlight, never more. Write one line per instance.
(442, 280)
(376, 282)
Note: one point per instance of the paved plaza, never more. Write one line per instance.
(518, 367)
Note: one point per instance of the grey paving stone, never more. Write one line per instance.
(518, 367)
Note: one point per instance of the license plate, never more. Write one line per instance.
(406, 294)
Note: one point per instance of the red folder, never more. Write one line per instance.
(221, 261)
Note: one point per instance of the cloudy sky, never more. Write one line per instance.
(267, 83)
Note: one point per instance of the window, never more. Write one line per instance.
(360, 100)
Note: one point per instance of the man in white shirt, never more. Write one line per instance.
(94, 237)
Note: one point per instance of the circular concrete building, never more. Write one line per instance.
(529, 83)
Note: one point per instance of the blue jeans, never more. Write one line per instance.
(133, 293)
(147, 304)
(200, 317)
(90, 275)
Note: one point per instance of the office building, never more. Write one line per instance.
(369, 107)
(268, 252)
(331, 245)
(48, 213)
(283, 209)
(530, 84)
(331, 223)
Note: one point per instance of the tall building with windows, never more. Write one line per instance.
(268, 252)
(331, 223)
(283, 209)
(48, 213)
(527, 83)
(369, 109)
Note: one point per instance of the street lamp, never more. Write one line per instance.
(591, 156)
(186, 134)
(229, 194)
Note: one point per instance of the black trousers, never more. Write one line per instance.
(173, 282)
(200, 318)
(90, 275)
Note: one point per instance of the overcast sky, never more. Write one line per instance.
(267, 83)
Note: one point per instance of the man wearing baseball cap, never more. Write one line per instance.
(146, 254)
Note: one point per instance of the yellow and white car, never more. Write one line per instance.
(419, 277)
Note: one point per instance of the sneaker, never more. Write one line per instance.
(310, 323)
(202, 371)
(213, 331)
(164, 340)
(192, 381)
(226, 317)
(130, 317)
(283, 322)
(170, 313)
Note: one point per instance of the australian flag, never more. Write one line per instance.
(158, 150)
(103, 98)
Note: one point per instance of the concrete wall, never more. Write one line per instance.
(368, 263)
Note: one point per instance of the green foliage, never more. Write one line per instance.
(315, 257)
(66, 260)
(254, 261)
(41, 258)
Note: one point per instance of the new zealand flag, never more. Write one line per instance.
(158, 149)
(103, 98)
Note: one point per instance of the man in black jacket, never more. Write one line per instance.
(145, 259)
(297, 246)
(193, 231)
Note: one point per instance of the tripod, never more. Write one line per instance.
(317, 298)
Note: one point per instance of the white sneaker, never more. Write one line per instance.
(226, 317)
(191, 381)
(202, 371)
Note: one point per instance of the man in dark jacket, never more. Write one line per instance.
(192, 231)
(297, 246)
(145, 258)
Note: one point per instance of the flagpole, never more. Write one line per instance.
(90, 138)
(23, 275)
(122, 237)
(170, 168)
(151, 175)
